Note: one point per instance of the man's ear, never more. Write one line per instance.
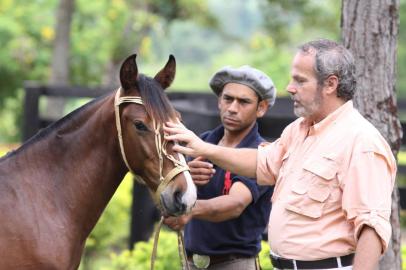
(219, 99)
(263, 106)
(331, 84)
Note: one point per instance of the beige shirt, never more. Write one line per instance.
(330, 180)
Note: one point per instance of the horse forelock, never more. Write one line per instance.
(155, 100)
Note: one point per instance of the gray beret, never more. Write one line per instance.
(251, 77)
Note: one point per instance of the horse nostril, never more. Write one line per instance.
(178, 201)
(177, 197)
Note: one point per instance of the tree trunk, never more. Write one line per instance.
(60, 56)
(125, 45)
(370, 30)
(120, 52)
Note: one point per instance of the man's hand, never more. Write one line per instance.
(201, 171)
(194, 146)
(241, 161)
(177, 223)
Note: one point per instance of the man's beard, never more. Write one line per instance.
(301, 111)
(309, 109)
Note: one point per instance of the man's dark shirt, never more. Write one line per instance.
(241, 235)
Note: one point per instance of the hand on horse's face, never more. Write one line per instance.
(177, 132)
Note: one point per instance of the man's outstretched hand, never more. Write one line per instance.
(192, 144)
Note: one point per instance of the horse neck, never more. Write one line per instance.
(80, 164)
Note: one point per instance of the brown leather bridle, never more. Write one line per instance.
(180, 165)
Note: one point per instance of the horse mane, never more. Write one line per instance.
(155, 100)
(43, 133)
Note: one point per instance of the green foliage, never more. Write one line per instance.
(183, 10)
(24, 28)
(401, 61)
(402, 157)
(140, 258)
(273, 61)
(167, 255)
(264, 260)
(25, 55)
(101, 32)
(294, 21)
(11, 118)
(203, 35)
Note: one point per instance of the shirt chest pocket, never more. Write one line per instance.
(316, 191)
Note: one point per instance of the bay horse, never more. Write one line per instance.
(54, 188)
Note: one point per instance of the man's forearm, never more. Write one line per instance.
(224, 207)
(211, 210)
(241, 161)
(368, 250)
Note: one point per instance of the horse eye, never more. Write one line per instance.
(140, 126)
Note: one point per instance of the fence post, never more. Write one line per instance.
(31, 123)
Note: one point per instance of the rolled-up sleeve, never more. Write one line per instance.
(367, 190)
(269, 160)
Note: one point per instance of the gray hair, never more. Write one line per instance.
(332, 58)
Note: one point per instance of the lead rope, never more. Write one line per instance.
(161, 149)
(182, 250)
(181, 247)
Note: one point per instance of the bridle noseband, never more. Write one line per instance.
(180, 166)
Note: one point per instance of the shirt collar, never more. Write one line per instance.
(218, 133)
(250, 137)
(329, 120)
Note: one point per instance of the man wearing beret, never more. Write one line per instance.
(333, 171)
(224, 229)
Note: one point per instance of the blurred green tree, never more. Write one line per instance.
(401, 57)
(26, 37)
(60, 56)
(102, 34)
(294, 21)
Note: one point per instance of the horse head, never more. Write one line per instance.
(142, 108)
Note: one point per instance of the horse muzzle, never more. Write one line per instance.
(175, 202)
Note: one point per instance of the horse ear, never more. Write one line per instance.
(166, 76)
(129, 72)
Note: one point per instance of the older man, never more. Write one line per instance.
(333, 171)
(232, 211)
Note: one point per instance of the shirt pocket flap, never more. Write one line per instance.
(300, 187)
(324, 168)
(319, 192)
(312, 211)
